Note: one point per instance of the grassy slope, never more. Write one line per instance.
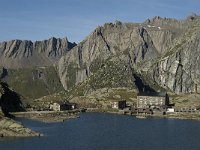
(34, 83)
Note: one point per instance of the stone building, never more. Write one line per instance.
(152, 100)
(60, 106)
(121, 104)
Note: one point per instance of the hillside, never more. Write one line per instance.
(28, 67)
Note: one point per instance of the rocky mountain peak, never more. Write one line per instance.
(192, 17)
(19, 54)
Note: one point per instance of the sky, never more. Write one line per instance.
(75, 19)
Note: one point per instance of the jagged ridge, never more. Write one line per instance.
(27, 54)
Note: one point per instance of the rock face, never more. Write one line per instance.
(179, 69)
(159, 54)
(9, 127)
(121, 42)
(10, 101)
(26, 54)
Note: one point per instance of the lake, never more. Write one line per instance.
(101, 131)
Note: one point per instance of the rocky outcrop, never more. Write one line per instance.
(179, 70)
(10, 101)
(159, 54)
(120, 42)
(10, 128)
(27, 54)
(163, 31)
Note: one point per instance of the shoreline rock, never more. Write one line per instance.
(48, 116)
(11, 128)
(185, 116)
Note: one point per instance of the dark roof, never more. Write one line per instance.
(68, 103)
(122, 100)
(161, 94)
(64, 103)
(60, 103)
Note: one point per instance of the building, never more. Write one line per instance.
(121, 104)
(187, 109)
(152, 100)
(170, 110)
(60, 106)
(141, 110)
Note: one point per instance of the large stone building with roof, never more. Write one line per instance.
(152, 100)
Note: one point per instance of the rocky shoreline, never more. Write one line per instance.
(11, 128)
(48, 116)
(188, 116)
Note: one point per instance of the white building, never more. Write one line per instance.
(170, 110)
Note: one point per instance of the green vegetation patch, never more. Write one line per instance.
(34, 83)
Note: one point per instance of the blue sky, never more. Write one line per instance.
(42, 19)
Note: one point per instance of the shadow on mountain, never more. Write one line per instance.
(10, 101)
(4, 73)
(141, 86)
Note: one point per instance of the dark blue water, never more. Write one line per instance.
(98, 131)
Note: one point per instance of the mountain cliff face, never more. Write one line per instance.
(179, 69)
(120, 42)
(26, 54)
(159, 54)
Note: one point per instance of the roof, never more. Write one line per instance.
(64, 103)
(60, 103)
(122, 100)
(159, 94)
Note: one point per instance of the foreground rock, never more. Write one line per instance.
(10, 128)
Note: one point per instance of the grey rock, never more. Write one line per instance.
(162, 54)
(128, 42)
(26, 54)
(179, 69)
(11, 128)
